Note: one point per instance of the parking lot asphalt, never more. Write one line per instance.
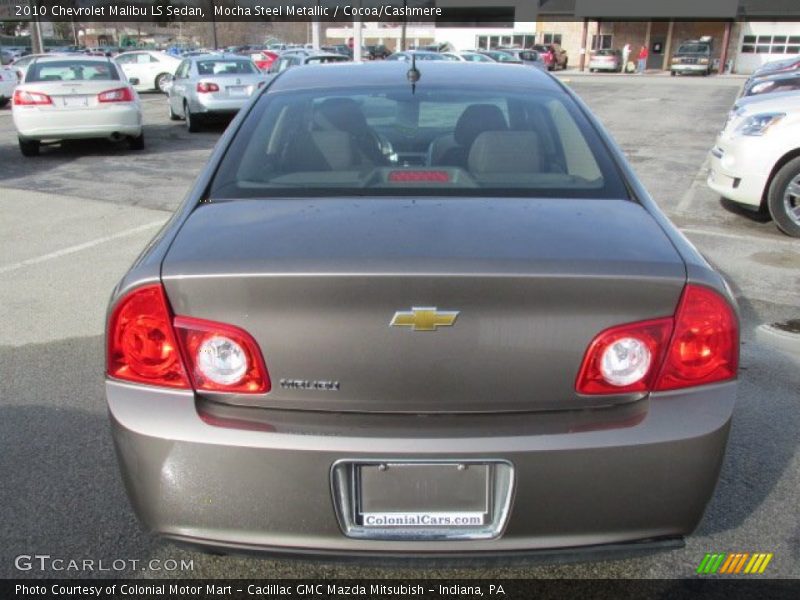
(77, 216)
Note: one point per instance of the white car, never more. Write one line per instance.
(75, 97)
(152, 69)
(756, 159)
(8, 81)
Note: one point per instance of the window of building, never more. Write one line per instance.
(771, 44)
(601, 42)
(488, 42)
(551, 38)
(524, 41)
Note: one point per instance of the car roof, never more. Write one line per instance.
(777, 76)
(348, 75)
(217, 56)
(46, 58)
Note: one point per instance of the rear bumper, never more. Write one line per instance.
(38, 124)
(604, 66)
(212, 106)
(690, 68)
(261, 490)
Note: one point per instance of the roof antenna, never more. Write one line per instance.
(413, 74)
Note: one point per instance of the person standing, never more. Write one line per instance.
(626, 53)
(642, 60)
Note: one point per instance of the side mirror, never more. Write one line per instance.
(134, 81)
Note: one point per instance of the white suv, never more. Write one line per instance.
(756, 159)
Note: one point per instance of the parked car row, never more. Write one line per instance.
(72, 96)
(755, 160)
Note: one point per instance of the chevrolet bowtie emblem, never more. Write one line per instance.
(424, 318)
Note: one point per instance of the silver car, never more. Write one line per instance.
(420, 312)
(606, 60)
(211, 85)
(288, 60)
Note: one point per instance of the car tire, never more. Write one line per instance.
(592, 70)
(564, 67)
(3, 102)
(29, 147)
(160, 81)
(783, 198)
(192, 121)
(136, 142)
(672, 73)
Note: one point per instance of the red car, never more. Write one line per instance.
(554, 56)
(263, 59)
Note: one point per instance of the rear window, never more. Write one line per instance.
(71, 70)
(225, 67)
(436, 142)
(315, 60)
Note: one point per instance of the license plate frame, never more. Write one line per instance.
(77, 101)
(238, 91)
(422, 494)
(410, 499)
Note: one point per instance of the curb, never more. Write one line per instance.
(783, 340)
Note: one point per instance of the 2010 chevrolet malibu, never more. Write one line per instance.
(419, 309)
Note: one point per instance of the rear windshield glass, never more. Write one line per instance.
(430, 142)
(311, 60)
(72, 70)
(225, 67)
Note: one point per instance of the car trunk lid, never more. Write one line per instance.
(319, 282)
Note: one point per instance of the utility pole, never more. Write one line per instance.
(404, 27)
(214, 25)
(37, 43)
(315, 32)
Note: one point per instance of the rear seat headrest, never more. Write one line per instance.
(476, 119)
(506, 152)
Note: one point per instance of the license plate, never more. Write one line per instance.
(73, 101)
(420, 496)
(238, 91)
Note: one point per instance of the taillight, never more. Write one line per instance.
(141, 343)
(705, 342)
(699, 345)
(205, 87)
(624, 358)
(117, 95)
(24, 98)
(147, 345)
(221, 357)
(423, 176)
